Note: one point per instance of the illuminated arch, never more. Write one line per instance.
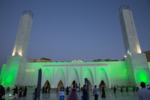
(73, 76)
(46, 76)
(59, 76)
(88, 74)
(102, 75)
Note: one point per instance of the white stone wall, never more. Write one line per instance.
(67, 74)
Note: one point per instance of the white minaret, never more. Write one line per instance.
(16, 64)
(136, 61)
(23, 35)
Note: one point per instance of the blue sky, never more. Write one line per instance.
(64, 30)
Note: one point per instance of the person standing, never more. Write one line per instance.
(15, 93)
(137, 89)
(133, 89)
(103, 92)
(143, 94)
(25, 92)
(92, 89)
(95, 92)
(67, 91)
(35, 93)
(127, 89)
(57, 90)
(20, 92)
(43, 89)
(114, 89)
(2, 92)
(121, 89)
(84, 93)
(8, 89)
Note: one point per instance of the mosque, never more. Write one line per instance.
(130, 72)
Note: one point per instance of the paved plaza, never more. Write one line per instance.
(55, 96)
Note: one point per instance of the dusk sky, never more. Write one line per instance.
(66, 30)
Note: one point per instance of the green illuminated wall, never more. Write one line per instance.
(114, 73)
(2, 74)
(10, 71)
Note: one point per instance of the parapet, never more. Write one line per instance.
(28, 12)
(124, 7)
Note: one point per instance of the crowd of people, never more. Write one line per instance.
(17, 93)
(143, 94)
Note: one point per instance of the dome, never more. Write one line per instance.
(77, 60)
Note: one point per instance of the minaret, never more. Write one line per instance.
(23, 35)
(136, 61)
(16, 64)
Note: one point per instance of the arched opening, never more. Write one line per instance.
(60, 84)
(47, 84)
(74, 84)
(46, 87)
(102, 83)
(90, 86)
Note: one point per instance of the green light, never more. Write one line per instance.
(142, 76)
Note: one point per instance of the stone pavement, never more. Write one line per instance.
(55, 96)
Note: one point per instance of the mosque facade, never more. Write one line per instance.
(135, 69)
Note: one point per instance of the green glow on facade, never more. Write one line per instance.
(2, 74)
(116, 70)
(142, 76)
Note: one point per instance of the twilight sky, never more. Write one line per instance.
(67, 30)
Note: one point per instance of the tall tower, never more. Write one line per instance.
(16, 64)
(23, 35)
(136, 61)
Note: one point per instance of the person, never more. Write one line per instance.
(95, 92)
(92, 89)
(137, 89)
(25, 92)
(49, 89)
(143, 94)
(100, 89)
(15, 93)
(133, 89)
(67, 90)
(33, 97)
(103, 92)
(121, 89)
(20, 92)
(2, 92)
(57, 90)
(114, 89)
(8, 89)
(127, 89)
(35, 93)
(43, 89)
(84, 93)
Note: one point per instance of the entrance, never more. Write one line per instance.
(74, 84)
(102, 83)
(47, 84)
(60, 84)
(90, 86)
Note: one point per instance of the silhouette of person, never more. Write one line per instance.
(114, 89)
(25, 92)
(143, 94)
(2, 92)
(127, 89)
(121, 89)
(84, 93)
(103, 93)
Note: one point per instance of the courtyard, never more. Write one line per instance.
(55, 96)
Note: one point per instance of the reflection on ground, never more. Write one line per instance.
(55, 96)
